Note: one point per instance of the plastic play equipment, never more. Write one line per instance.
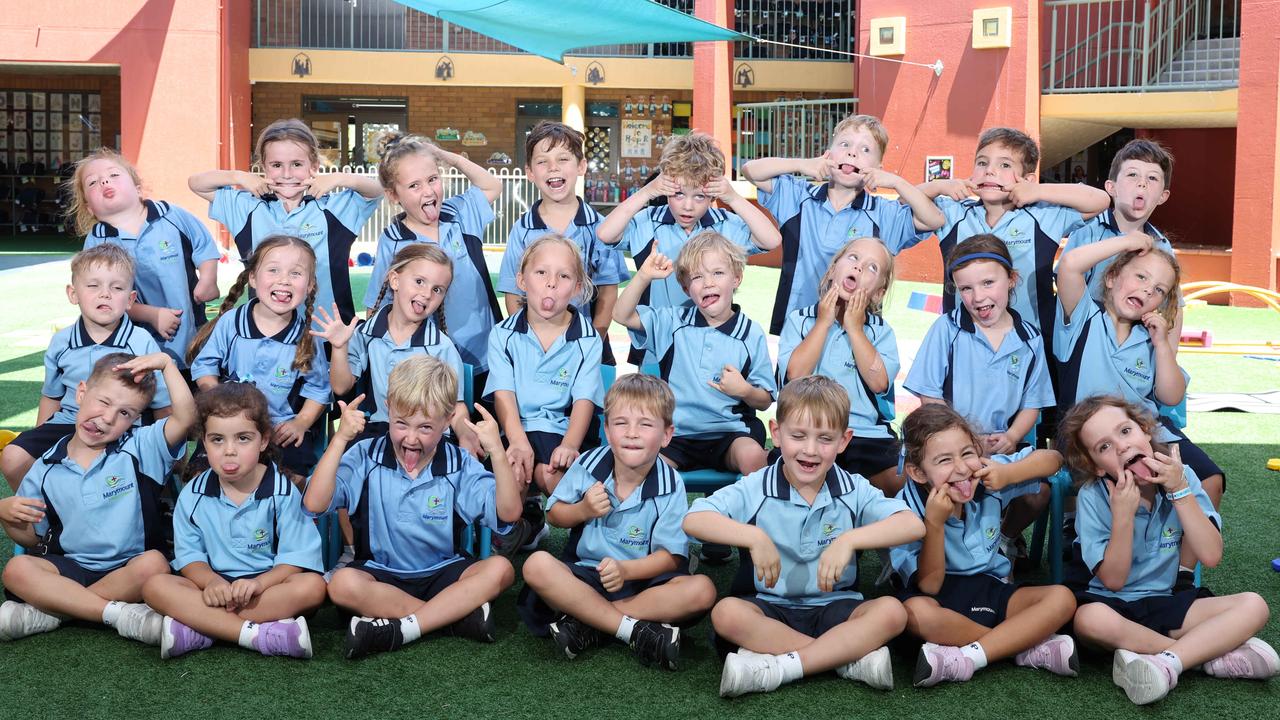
(1201, 341)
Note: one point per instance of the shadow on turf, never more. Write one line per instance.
(23, 362)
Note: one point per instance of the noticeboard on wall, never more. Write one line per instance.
(42, 130)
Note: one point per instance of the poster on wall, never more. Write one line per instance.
(37, 101)
(19, 100)
(20, 121)
(637, 138)
(55, 141)
(55, 102)
(38, 121)
(73, 103)
(95, 141)
(77, 141)
(4, 99)
(55, 121)
(39, 158)
(938, 167)
(95, 103)
(38, 141)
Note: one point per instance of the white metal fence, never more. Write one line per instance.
(795, 128)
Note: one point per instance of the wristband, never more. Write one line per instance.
(1179, 494)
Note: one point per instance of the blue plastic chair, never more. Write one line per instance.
(469, 534)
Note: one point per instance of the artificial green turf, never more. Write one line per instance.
(90, 673)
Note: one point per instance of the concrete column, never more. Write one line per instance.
(573, 112)
(713, 77)
(1256, 222)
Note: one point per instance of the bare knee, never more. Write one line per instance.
(21, 571)
(700, 592)
(921, 612)
(1254, 606)
(888, 481)
(747, 455)
(538, 567)
(148, 565)
(498, 572)
(887, 612)
(310, 587)
(345, 585)
(14, 464)
(1097, 622)
(731, 616)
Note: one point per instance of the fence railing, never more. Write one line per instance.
(386, 25)
(796, 128)
(1146, 45)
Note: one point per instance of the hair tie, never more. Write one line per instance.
(978, 256)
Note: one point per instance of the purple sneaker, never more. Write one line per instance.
(284, 637)
(939, 663)
(1057, 654)
(1254, 660)
(177, 639)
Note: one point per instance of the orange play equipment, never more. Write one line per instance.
(1196, 341)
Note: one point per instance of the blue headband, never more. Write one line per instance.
(978, 256)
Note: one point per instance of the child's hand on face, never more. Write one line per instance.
(719, 189)
(562, 457)
(991, 474)
(661, 186)
(875, 178)
(289, 433)
(827, 307)
(820, 168)
(958, 190)
(469, 441)
(832, 563)
(732, 383)
(855, 311)
(610, 574)
(16, 510)
(140, 366)
(596, 500)
(1125, 496)
(657, 266)
(168, 320)
(1168, 469)
(351, 424)
(938, 506)
(322, 184)
(217, 593)
(1024, 192)
(254, 183)
(332, 329)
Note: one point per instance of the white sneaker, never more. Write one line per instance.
(1254, 660)
(874, 669)
(1144, 678)
(139, 622)
(747, 673)
(18, 620)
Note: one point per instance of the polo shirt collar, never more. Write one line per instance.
(407, 233)
(727, 327)
(379, 326)
(861, 201)
(80, 337)
(574, 332)
(963, 320)
(58, 452)
(266, 487)
(154, 212)
(582, 218)
(837, 482)
(444, 462)
(668, 218)
(658, 481)
(247, 327)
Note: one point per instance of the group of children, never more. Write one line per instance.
(410, 463)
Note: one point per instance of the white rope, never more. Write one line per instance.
(935, 66)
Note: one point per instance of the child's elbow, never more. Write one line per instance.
(914, 526)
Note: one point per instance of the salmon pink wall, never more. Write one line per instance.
(1202, 197)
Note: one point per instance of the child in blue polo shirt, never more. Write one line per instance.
(101, 286)
(248, 558)
(845, 337)
(554, 160)
(404, 491)
(715, 358)
(624, 572)
(291, 198)
(1139, 505)
(953, 580)
(88, 512)
(795, 610)
(364, 351)
(986, 339)
(410, 172)
(177, 262)
(265, 342)
(816, 220)
(544, 377)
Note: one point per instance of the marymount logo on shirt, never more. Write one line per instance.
(634, 536)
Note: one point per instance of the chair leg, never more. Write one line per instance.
(1037, 538)
(1057, 502)
(486, 542)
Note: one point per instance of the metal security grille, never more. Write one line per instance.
(796, 129)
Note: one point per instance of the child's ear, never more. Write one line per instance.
(80, 391)
(667, 434)
(1163, 197)
(390, 195)
(1110, 187)
(129, 301)
(1029, 177)
(71, 295)
(845, 438)
(775, 433)
(916, 474)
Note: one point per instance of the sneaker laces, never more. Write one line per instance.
(273, 638)
(952, 664)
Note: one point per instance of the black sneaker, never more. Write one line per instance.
(519, 535)
(574, 637)
(478, 625)
(656, 644)
(714, 554)
(366, 636)
(1186, 580)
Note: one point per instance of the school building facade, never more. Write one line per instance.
(182, 86)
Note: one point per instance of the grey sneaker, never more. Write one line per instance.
(19, 620)
(874, 669)
(139, 622)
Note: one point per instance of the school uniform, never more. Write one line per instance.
(604, 264)
(1104, 227)
(974, 585)
(404, 526)
(329, 224)
(372, 354)
(98, 518)
(470, 307)
(812, 233)
(801, 532)
(1148, 597)
(988, 386)
(655, 229)
(692, 353)
(167, 251)
(875, 445)
(546, 383)
(649, 520)
(268, 528)
(238, 351)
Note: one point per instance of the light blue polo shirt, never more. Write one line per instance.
(656, 228)
(988, 386)
(971, 543)
(166, 253)
(267, 529)
(546, 384)
(605, 264)
(328, 224)
(649, 520)
(372, 354)
(1103, 227)
(870, 413)
(1032, 235)
(97, 512)
(69, 360)
(1157, 538)
(801, 531)
(237, 351)
(404, 525)
(812, 233)
(692, 353)
(463, 219)
(1091, 362)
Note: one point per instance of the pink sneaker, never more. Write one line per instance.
(940, 663)
(1254, 660)
(1057, 654)
(1144, 678)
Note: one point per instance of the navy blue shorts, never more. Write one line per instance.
(39, 439)
(545, 443)
(246, 576)
(69, 568)
(982, 598)
(425, 587)
(1192, 456)
(538, 615)
(1161, 613)
(709, 452)
(812, 621)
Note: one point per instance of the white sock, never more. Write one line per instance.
(792, 669)
(1184, 568)
(348, 549)
(625, 627)
(410, 630)
(974, 652)
(1174, 661)
(248, 631)
(111, 613)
